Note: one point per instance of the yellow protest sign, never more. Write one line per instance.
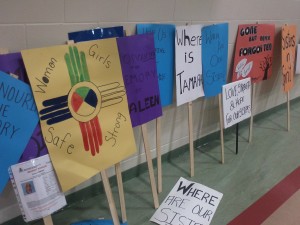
(82, 104)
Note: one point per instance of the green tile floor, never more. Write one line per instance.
(272, 155)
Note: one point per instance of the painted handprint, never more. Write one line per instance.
(83, 102)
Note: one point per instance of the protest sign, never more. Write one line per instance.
(137, 55)
(298, 60)
(96, 34)
(36, 188)
(164, 48)
(236, 102)
(288, 56)
(188, 203)
(18, 119)
(80, 95)
(188, 63)
(254, 52)
(214, 58)
(12, 64)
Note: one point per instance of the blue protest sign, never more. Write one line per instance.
(214, 58)
(164, 45)
(18, 119)
(95, 34)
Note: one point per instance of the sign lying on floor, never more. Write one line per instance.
(36, 188)
(236, 102)
(188, 203)
(96, 222)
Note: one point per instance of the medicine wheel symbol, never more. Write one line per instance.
(85, 101)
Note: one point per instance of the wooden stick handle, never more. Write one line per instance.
(288, 111)
(110, 198)
(191, 139)
(150, 166)
(221, 129)
(121, 192)
(158, 154)
(48, 220)
(252, 112)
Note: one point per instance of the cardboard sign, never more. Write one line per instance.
(82, 103)
(298, 60)
(36, 188)
(164, 47)
(13, 64)
(188, 63)
(18, 119)
(188, 203)
(288, 55)
(254, 52)
(96, 34)
(137, 55)
(236, 102)
(214, 58)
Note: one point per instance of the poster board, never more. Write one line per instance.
(288, 55)
(188, 203)
(214, 58)
(81, 99)
(298, 60)
(188, 63)
(96, 34)
(236, 101)
(254, 52)
(164, 35)
(12, 63)
(137, 55)
(18, 119)
(36, 188)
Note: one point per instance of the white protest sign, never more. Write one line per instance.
(236, 101)
(298, 60)
(188, 63)
(188, 203)
(36, 188)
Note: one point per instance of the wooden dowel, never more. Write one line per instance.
(237, 139)
(252, 112)
(110, 198)
(221, 129)
(150, 166)
(288, 111)
(48, 220)
(121, 192)
(191, 139)
(158, 154)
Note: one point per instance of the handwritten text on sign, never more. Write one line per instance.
(288, 50)
(214, 58)
(188, 42)
(236, 102)
(188, 203)
(18, 118)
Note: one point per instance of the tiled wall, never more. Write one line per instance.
(39, 23)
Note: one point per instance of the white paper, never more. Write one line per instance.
(188, 203)
(298, 60)
(236, 101)
(189, 85)
(36, 188)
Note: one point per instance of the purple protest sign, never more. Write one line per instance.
(137, 55)
(13, 64)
